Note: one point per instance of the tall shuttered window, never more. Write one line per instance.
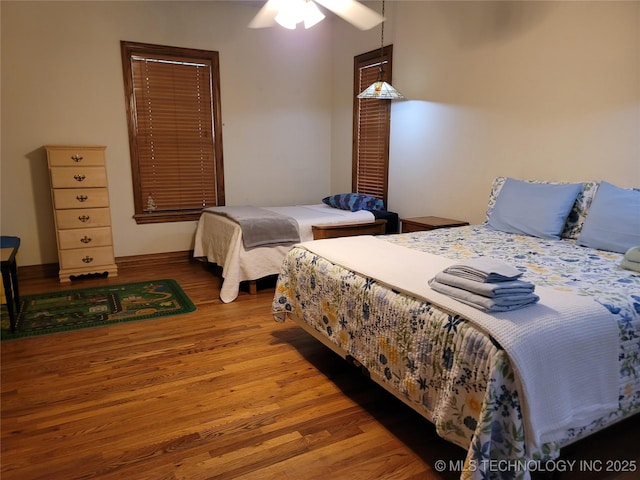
(371, 119)
(173, 106)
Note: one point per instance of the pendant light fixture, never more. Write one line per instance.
(380, 89)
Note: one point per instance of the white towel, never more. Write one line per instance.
(633, 254)
(497, 289)
(484, 269)
(503, 303)
(630, 265)
(631, 260)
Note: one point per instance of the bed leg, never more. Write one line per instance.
(253, 287)
(355, 363)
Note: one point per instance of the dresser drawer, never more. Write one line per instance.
(70, 156)
(78, 177)
(80, 197)
(86, 257)
(84, 238)
(83, 218)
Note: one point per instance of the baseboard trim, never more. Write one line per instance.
(38, 271)
(166, 258)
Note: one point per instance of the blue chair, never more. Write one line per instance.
(9, 246)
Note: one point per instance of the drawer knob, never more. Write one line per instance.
(85, 239)
(83, 218)
(81, 198)
(87, 259)
(79, 178)
(76, 158)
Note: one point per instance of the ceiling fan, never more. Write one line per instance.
(289, 13)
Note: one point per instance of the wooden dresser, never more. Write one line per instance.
(81, 208)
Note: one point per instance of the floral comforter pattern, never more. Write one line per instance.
(450, 371)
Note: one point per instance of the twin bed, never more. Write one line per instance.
(219, 238)
(513, 386)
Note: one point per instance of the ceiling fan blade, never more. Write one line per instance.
(353, 12)
(266, 17)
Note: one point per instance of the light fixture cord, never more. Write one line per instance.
(381, 72)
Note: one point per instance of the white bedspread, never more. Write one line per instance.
(219, 240)
(562, 329)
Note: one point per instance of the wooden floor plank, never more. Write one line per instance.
(223, 392)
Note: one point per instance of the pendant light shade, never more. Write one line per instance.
(380, 89)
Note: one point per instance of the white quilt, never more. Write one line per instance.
(219, 240)
(561, 329)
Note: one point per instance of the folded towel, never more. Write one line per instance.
(483, 269)
(505, 303)
(629, 265)
(498, 289)
(633, 254)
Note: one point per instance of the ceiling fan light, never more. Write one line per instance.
(381, 91)
(352, 11)
(291, 13)
(286, 22)
(312, 14)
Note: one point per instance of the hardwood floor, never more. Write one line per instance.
(224, 392)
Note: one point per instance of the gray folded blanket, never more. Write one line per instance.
(631, 260)
(261, 227)
(504, 303)
(497, 289)
(483, 269)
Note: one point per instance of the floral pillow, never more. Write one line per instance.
(577, 214)
(354, 202)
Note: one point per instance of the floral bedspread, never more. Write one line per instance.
(451, 372)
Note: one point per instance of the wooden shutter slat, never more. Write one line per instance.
(174, 105)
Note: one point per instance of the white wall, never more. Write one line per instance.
(62, 83)
(537, 90)
(348, 42)
(547, 90)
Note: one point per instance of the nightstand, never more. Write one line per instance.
(419, 224)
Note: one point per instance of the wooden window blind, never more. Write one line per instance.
(174, 130)
(371, 120)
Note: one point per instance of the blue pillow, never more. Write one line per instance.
(613, 221)
(536, 209)
(354, 202)
(577, 214)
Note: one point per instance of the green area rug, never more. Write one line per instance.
(91, 307)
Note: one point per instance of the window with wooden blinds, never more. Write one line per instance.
(174, 131)
(371, 119)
